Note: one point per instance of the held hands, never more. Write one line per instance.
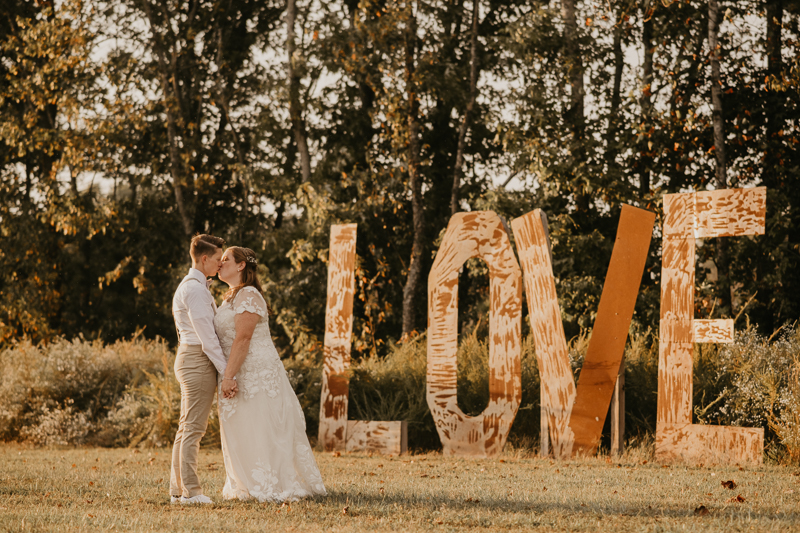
(229, 388)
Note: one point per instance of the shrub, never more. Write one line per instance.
(753, 382)
(125, 394)
(56, 393)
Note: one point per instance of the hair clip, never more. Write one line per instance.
(252, 260)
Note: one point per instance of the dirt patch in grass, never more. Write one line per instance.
(127, 490)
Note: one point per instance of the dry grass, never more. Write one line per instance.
(123, 489)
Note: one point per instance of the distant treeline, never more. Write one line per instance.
(128, 125)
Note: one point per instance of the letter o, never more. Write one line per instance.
(476, 234)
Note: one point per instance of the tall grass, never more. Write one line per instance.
(126, 394)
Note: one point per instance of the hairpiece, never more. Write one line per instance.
(252, 259)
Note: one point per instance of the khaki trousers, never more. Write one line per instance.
(198, 379)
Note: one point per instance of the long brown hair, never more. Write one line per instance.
(249, 272)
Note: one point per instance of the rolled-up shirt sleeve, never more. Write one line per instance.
(201, 312)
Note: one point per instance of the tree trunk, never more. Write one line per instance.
(575, 115)
(616, 95)
(775, 102)
(295, 111)
(721, 259)
(645, 100)
(716, 94)
(575, 69)
(411, 288)
(172, 98)
(473, 93)
(774, 39)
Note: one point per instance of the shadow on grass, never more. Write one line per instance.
(359, 504)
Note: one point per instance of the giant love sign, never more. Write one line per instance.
(575, 415)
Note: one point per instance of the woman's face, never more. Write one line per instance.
(230, 271)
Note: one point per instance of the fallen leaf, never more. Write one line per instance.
(90, 515)
(701, 511)
(336, 454)
(424, 475)
(345, 509)
(731, 484)
(91, 483)
(737, 499)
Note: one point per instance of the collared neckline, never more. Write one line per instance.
(194, 273)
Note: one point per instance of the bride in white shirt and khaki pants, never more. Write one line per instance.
(198, 360)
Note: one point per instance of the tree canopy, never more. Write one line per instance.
(126, 126)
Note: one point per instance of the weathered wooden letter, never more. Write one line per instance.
(476, 234)
(335, 431)
(576, 418)
(723, 213)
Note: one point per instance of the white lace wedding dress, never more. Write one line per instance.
(264, 442)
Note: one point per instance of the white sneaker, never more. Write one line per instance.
(200, 498)
(174, 500)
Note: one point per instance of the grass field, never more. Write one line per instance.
(123, 489)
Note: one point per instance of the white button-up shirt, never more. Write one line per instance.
(194, 308)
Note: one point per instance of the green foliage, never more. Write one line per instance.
(126, 126)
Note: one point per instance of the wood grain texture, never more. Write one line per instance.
(730, 212)
(338, 333)
(723, 213)
(389, 438)
(709, 444)
(713, 331)
(576, 416)
(475, 234)
(557, 383)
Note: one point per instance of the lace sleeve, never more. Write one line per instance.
(249, 300)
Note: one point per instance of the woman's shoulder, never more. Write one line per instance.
(251, 300)
(249, 291)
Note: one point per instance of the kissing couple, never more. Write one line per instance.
(264, 444)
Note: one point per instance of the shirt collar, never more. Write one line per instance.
(199, 276)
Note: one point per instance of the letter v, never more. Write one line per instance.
(576, 419)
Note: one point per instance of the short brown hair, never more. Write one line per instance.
(205, 245)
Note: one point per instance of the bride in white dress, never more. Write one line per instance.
(264, 444)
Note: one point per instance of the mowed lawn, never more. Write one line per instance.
(126, 490)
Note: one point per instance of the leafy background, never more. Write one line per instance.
(128, 125)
